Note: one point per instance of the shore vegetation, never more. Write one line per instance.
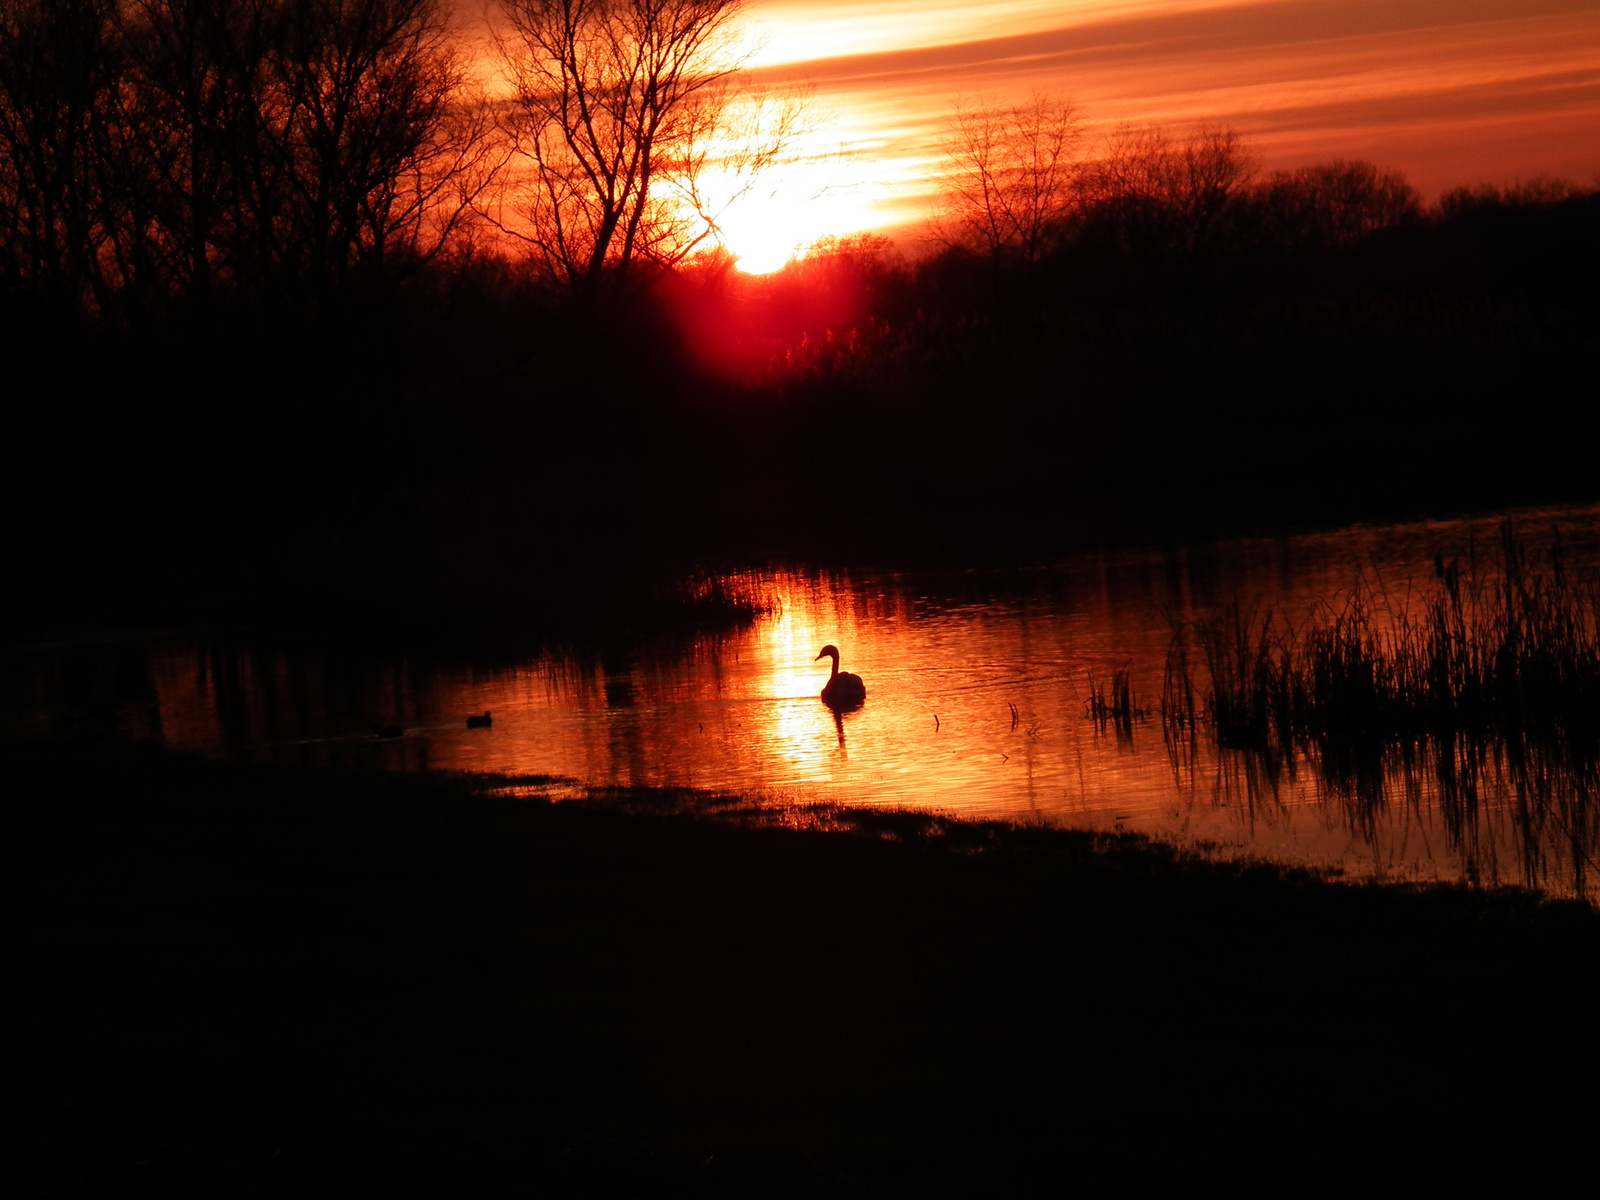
(1487, 680)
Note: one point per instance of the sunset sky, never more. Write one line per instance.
(1449, 91)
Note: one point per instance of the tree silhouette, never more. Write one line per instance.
(1008, 180)
(366, 150)
(1150, 193)
(1328, 205)
(188, 128)
(171, 152)
(620, 108)
(57, 61)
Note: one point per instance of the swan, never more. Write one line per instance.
(843, 690)
(483, 722)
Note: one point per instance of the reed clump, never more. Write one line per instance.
(1510, 649)
(717, 601)
(1491, 683)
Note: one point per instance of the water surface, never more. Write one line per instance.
(977, 684)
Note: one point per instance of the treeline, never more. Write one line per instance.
(1150, 194)
(1146, 222)
(159, 157)
(1024, 189)
(1155, 339)
(173, 158)
(278, 347)
(295, 158)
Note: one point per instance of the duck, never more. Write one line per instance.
(843, 690)
(388, 731)
(477, 722)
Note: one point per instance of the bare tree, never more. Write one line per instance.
(366, 144)
(157, 152)
(1333, 204)
(1124, 191)
(1151, 192)
(620, 109)
(187, 107)
(1008, 180)
(1209, 171)
(740, 136)
(57, 63)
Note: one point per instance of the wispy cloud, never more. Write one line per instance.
(1452, 91)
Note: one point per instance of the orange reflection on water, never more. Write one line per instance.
(975, 705)
(800, 727)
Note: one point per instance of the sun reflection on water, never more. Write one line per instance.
(976, 689)
(805, 735)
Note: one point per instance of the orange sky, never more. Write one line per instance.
(1449, 91)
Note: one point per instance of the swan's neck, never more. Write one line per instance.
(834, 674)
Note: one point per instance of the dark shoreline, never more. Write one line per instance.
(245, 979)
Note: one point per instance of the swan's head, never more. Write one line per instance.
(827, 652)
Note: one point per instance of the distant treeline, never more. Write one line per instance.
(163, 158)
(275, 340)
(1177, 226)
(1186, 348)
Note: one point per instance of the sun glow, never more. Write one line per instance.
(1451, 98)
(763, 232)
(840, 174)
(780, 32)
(1511, 92)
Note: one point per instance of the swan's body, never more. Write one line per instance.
(843, 690)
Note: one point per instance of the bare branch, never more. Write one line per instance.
(1010, 176)
(619, 110)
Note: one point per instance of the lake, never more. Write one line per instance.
(977, 684)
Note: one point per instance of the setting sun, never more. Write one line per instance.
(763, 233)
(851, 173)
(832, 182)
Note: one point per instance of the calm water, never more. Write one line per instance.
(976, 690)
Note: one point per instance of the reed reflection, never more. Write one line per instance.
(1473, 700)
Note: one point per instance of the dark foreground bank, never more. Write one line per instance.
(243, 981)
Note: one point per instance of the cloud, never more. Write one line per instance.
(1451, 91)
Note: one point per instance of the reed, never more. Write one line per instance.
(1113, 705)
(717, 601)
(1491, 682)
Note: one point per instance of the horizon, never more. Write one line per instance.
(1451, 95)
